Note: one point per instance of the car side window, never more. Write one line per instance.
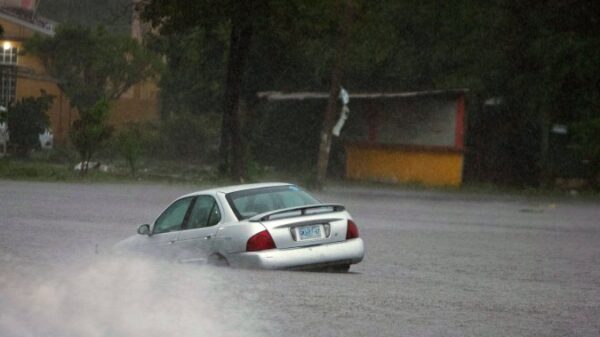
(205, 212)
(173, 217)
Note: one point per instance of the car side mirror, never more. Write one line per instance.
(144, 229)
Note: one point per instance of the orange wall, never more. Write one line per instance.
(430, 167)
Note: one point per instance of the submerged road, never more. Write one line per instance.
(437, 264)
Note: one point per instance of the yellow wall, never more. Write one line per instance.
(407, 165)
(15, 31)
(61, 114)
(31, 79)
(138, 104)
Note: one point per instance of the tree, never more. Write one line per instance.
(90, 131)
(543, 66)
(238, 17)
(129, 145)
(538, 56)
(271, 25)
(92, 67)
(586, 143)
(192, 81)
(26, 119)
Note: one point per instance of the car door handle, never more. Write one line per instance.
(208, 237)
(171, 242)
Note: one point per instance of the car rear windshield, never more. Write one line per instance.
(248, 203)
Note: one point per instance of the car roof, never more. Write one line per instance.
(235, 188)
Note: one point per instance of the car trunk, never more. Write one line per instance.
(307, 230)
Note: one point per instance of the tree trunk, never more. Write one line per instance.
(231, 138)
(332, 104)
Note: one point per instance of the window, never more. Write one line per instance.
(249, 203)
(8, 55)
(8, 73)
(173, 217)
(8, 80)
(205, 213)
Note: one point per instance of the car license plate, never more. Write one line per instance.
(310, 232)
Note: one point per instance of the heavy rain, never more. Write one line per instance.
(461, 137)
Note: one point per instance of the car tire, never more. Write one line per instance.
(217, 260)
(344, 268)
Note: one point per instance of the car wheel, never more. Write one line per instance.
(339, 269)
(217, 260)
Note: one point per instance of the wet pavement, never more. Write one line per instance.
(437, 264)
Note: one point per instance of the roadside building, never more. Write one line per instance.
(23, 75)
(400, 137)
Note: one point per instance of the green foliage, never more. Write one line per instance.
(183, 138)
(291, 141)
(189, 137)
(539, 57)
(129, 144)
(240, 17)
(26, 119)
(192, 81)
(92, 64)
(91, 131)
(61, 154)
(93, 67)
(586, 142)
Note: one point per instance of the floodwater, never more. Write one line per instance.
(437, 264)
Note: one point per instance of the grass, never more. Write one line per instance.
(27, 170)
(50, 167)
(36, 169)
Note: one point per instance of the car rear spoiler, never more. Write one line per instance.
(267, 216)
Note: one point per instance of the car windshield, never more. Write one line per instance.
(249, 203)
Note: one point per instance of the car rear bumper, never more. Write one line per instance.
(338, 253)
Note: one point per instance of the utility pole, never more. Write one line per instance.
(332, 103)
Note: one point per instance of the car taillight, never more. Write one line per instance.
(260, 241)
(352, 231)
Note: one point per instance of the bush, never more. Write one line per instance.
(129, 144)
(26, 119)
(286, 135)
(189, 137)
(184, 138)
(586, 143)
(91, 131)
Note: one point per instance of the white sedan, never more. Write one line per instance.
(270, 225)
